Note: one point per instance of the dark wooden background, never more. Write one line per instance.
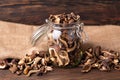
(92, 12)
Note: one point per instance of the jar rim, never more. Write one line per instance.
(59, 28)
(64, 26)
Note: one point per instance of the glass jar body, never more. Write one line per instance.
(64, 42)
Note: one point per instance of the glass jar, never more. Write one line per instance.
(64, 43)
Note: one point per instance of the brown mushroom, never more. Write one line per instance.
(13, 68)
(21, 67)
(19, 72)
(36, 60)
(66, 45)
(3, 64)
(43, 70)
(22, 61)
(115, 61)
(32, 71)
(96, 65)
(107, 53)
(33, 55)
(88, 54)
(48, 68)
(43, 62)
(97, 51)
(117, 67)
(64, 57)
(73, 48)
(34, 63)
(63, 42)
(86, 68)
(104, 66)
(26, 70)
(54, 56)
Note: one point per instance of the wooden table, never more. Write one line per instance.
(64, 74)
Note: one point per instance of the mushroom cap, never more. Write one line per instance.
(3, 64)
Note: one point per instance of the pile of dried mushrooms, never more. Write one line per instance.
(37, 63)
(104, 60)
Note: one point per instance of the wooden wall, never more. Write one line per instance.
(92, 12)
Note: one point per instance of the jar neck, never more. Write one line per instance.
(78, 26)
(75, 25)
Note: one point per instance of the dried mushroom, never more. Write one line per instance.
(103, 60)
(55, 57)
(64, 18)
(86, 68)
(13, 68)
(34, 63)
(26, 70)
(3, 64)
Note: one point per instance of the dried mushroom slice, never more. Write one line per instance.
(72, 48)
(22, 61)
(64, 57)
(115, 61)
(86, 68)
(13, 68)
(61, 57)
(55, 57)
(97, 51)
(96, 65)
(3, 64)
(105, 66)
(117, 67)
(26, 70)
(68, 49)
(32, 71)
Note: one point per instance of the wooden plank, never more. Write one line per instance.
(35, 12)
(64, 74)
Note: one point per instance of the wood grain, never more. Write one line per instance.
(64, 74)
(92, 12)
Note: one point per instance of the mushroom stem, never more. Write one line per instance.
(73, 48)
(64, 42)
(32, 71)
(53, 54)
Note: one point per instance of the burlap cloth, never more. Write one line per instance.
(15, 38)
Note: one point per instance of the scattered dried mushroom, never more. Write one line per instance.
(103, 60)
(34, 63)
(3, 64)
